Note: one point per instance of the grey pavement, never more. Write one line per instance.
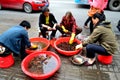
(67, 71)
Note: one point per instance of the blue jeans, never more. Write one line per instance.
(92, 49)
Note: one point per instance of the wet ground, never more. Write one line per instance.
(68, 71)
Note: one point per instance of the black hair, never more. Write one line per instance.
(45, 9)
(25, 23)
(100, 16)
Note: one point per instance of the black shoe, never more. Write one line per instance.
(52, 37)
(15, 55)
(23, 56)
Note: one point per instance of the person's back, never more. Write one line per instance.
(15, 40)
(12, 37)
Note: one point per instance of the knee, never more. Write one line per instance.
(78, 30)
(89, 47)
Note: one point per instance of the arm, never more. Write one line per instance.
(53, 19)
(62, 21)
(73, 22)
(26, 39)
(93, 37)
(40, 20)
(86, 22)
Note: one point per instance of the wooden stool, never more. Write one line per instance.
(7, 61)
(105, 59)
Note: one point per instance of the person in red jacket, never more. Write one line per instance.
(69, 26)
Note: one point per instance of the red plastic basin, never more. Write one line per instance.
(52, 42)
(7, 61)
(66, 39)
(25, 62)
(38, 39)
(105, 59)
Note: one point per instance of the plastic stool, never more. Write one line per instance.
(105, 59)
(7, 61)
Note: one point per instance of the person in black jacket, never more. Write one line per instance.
(47, 22)
(89, 19)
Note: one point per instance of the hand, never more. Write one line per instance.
(65, 30)
(72, 38)
(33, 46)
(54, 27)
(51, 29)
(79, 46)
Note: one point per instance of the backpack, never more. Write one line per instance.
(118, 26)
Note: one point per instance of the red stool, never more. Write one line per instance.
(7, 61)
(105, 59)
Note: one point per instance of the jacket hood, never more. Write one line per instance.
(106, 24)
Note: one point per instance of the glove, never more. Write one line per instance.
(72, 38)
(65, 30)
(33, 46)
(79, 46)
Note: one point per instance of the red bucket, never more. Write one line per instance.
(7, 61)
(38, 39)
(26, 61)
(66, 39)
(105, 59)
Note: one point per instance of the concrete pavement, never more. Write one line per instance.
(68, 71)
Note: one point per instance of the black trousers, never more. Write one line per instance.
(92, 49)
(23, 53)
(89, 19)
(43, 32)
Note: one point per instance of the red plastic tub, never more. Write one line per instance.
(38, 39)
(7, 61)
(66, 39)
(25, 62)
(105, 59)
(52, 42)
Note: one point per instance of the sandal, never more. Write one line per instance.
(88, 63)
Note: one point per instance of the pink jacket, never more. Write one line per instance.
(101, 4)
